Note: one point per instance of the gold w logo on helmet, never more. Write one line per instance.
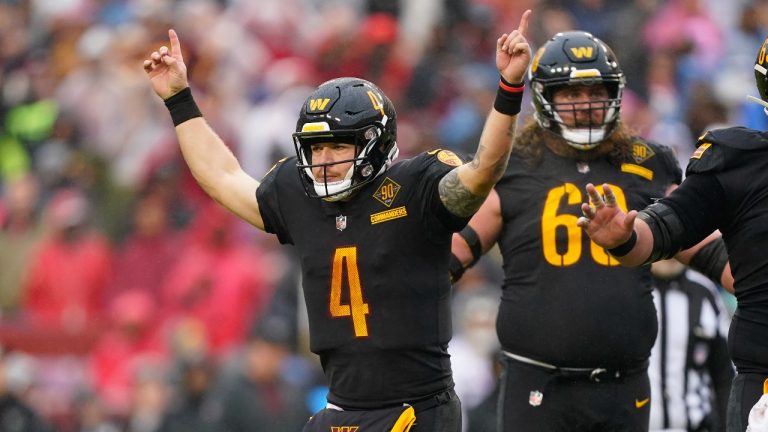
(318, 104)
(582, 52)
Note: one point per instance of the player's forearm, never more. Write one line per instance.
(208, 158)
(726, 279)
(464, 189)
(460, 249)
(642, 248)
(492, 156)
(710, 258)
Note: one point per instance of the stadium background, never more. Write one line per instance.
(121, 284)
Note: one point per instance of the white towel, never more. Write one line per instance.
(758, 415)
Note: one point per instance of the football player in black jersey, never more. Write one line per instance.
(726, 188)
(576, 328)
(373, 236)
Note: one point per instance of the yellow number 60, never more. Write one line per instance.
(551, 220)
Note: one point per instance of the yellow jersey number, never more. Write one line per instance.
(346, 258)
(552, 220)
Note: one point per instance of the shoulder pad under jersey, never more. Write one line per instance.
(738, 137)
(669, 160)
(709, 157)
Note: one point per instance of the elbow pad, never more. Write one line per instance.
(710, 260)
(667, 230)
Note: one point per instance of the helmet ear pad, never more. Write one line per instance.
(380, 150)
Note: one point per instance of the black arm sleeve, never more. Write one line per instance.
(687, 216)
(700, 204)
(710, 260)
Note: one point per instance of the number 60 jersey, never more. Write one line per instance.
(561, 288)
(375, 278)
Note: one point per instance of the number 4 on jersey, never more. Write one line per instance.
(346, 257)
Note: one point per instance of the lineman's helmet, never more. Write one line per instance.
(573, 58)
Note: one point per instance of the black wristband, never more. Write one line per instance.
(624, 248)
(182, 107)
(509, 97)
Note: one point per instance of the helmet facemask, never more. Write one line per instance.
(350, 111)
(584, 132)
(576, 59)
(375, 150)
(761, 77)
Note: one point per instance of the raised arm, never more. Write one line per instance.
(464, 189)
(212, 163)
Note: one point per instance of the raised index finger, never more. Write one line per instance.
(175, 44)
(523, 27)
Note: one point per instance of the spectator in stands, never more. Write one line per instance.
(131, 339)
(263, 395)
(20, 233)
(218, 281)
(195, 406)
(150, 249)
(70, 272)
(15, 414)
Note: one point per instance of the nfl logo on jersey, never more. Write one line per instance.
(341, 222)
(535, 397)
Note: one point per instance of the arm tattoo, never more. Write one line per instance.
(475, 164)
(498, 168)
(456, 197)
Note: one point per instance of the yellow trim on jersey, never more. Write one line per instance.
(700, 151)
(637, 170)
(387, 215)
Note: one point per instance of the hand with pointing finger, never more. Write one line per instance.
(166, 69)
(513, 52)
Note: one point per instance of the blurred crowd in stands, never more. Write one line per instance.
(130, 302)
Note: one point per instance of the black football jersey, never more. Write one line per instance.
(375, 278)
(726, 188)
(565, 301)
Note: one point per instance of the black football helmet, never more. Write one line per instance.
(352, 111)
(576, 58)
(761, 75)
